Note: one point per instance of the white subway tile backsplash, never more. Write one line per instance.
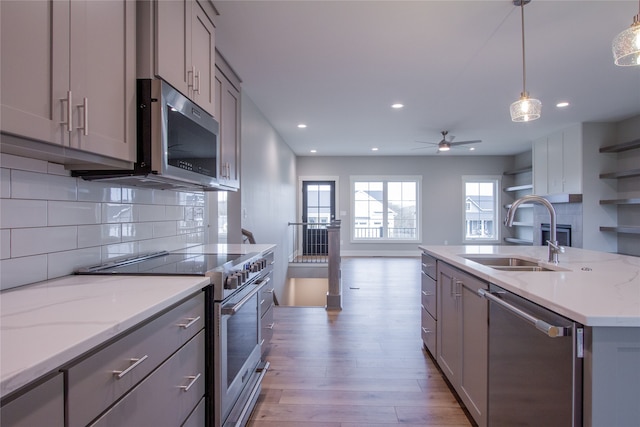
(150, 212)
(116, 212)
(164, 229)
(16, 213)
(94, 191)
(22, 271)
(22, 163)
(71, 213)
(98, 235)
(5, 244)
(65, 263)
(137, 195)
(137, 231)
(5, 183)
(31, 185)
(42, 240)
(52, 224)
(174, 213)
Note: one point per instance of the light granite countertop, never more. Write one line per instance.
(596, 289)
(46, 325)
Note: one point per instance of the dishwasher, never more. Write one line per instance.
(535, 363)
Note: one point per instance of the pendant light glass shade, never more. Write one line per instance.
(626, 45)
(525, 109)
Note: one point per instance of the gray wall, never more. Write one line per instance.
(268, 183)
(442, 206)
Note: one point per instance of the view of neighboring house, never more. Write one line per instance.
(479, 217)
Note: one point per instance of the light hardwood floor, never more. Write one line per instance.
(362, 366)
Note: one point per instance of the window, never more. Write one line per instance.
(481, 215)
(385, 209)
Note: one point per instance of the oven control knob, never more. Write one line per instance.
(232, 282)
(255, 267)
(245, 275)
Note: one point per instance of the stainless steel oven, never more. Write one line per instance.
(237, 355)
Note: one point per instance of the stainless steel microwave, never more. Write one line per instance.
(177, 143)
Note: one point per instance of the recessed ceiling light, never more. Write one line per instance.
(374, 149)
(397, 106)
(302, 126)
(472, 148)
(562, 104)
(314, 151)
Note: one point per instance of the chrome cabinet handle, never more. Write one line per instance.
(196, 75)
(427, 331)
(85, 113)
(191, 73)
(190, 322)
(69, 101)
(121, 374)
(550, 330)
(270, 326)
(427, 294)
(193, 379)
(228, 311)
(458, 291)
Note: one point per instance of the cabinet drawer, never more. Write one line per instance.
(428, 292)
(102, 378)
(429, 265)
(197, 417)
(167, 396)
(266, 296)
(40, 406)
(266, 329)
(429, 332)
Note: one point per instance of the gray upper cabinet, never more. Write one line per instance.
(557, 163)
(76, 86)
(177, 43)
(227, 112)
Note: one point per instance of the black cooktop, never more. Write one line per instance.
(168, 263)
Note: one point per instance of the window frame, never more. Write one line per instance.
(496, 180)
(417, 179)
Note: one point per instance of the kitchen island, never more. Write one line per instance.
(600, 291)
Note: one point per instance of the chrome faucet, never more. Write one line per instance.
(554, 248)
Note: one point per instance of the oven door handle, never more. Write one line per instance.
(229, 311)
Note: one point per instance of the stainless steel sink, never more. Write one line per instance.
(509, 263)
(502, 261)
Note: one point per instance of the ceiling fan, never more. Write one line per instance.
(446, 145)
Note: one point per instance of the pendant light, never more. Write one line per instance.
(524, 109)
(626, 45)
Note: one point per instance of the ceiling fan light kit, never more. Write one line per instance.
(524, 109)
(626, 45)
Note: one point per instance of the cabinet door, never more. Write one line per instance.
(40, 406)
(202, 58)
(35, 69)
(173, 43)
(555, 164)
(572, 159)
(540, 167)
(229, 116)
(473, 376)
(448, 335)
(102, 77)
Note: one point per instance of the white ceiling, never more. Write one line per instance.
(456, 65)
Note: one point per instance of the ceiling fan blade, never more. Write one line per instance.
(427, 142)
(465, 142)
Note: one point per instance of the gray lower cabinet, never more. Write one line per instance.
(167, 396)
(40, 406)
(428, 303)
(462, 337)
(98, 381)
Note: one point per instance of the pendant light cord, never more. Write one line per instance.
(524, 72)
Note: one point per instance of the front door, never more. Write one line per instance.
(318, 211)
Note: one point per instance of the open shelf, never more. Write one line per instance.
(618, 148)
(518, 171)
(632, 201)
(522, 206)
(622, 174)
(629, 229)
(518, 241)
(518, 188)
